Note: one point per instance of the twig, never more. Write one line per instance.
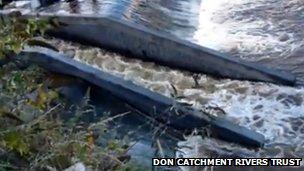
(109, 119)
(161, 151)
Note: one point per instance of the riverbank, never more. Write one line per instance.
(41, 127)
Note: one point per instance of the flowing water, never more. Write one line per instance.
(269, 32)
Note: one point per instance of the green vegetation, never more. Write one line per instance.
(16, 32)
(36, 130)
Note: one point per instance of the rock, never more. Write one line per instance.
(70, 53)
(284, 37)
(76, 167)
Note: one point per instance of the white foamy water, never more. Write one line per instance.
(275, 111)
(253, 30)
(269, 31)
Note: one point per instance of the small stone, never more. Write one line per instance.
(70, 53)
(76, 167)
(241, 90)
(283, 37)
(259, 123)
(302, 130)
(256, 117)
(258, 107)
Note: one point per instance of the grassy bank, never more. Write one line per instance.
(38, 129)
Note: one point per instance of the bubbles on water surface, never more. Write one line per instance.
(251, 30)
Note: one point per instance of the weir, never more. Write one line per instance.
(137, 41)
(163, 109)
(152, 46)
(140, 42)
(173, 33)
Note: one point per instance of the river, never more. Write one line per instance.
(268, 32)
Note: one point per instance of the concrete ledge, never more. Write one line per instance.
(137, 41)
(161, 108)
(140, 42)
